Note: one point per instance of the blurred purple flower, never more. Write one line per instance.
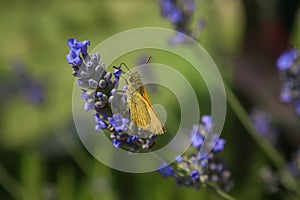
(180, 13)
(289, 68)
(29, 87)
(262, 123)
(294, 165)
(286, 60)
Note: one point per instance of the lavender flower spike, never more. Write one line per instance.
(99, 91)
(194, 171)
(289, 69)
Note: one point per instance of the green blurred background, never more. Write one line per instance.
(41, 154)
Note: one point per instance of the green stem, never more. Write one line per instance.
(240, 112)
(10, 184)
(268, 149)
(77, 155)
(220, 192)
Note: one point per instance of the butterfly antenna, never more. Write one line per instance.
(148, 60)
(125, 66)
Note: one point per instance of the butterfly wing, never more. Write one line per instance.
(142, 113)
